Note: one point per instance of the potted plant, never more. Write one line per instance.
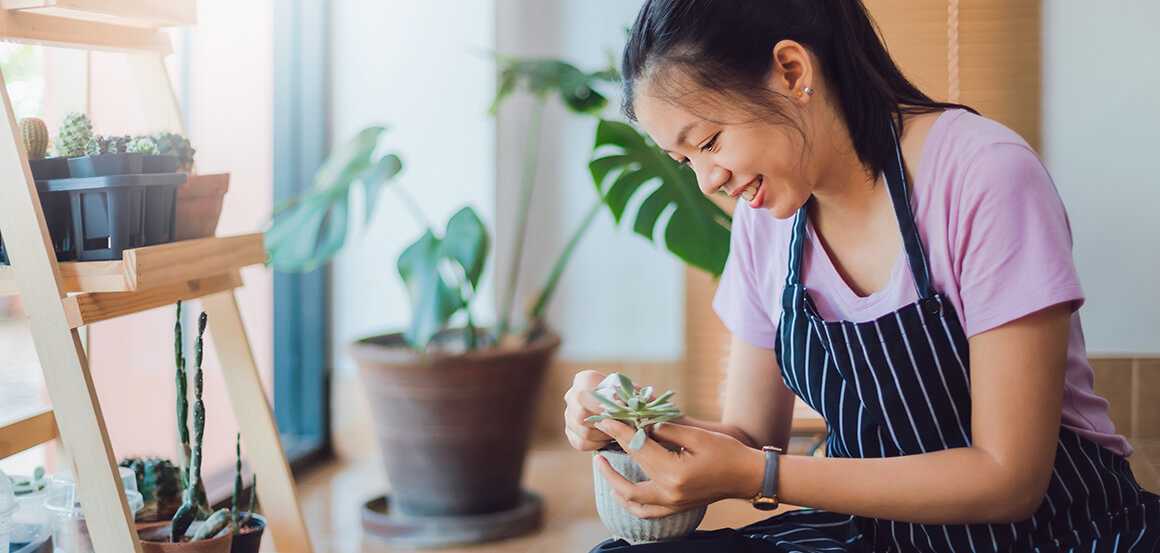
(639, 408)
(199, 200)
(190, 530)
(34, 137)
(91, 155)
(434, 387)
(153, 160)
(160, 483)
(247, 526)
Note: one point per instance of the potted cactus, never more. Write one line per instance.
(160, 483)
(34, 138)
(248, 526)
(200, 199)
(639, 408)
(91, 155)
(190, 530)
(153, 160)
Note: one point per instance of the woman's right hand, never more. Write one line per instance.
(580, 404)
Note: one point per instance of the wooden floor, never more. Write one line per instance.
(332, 497)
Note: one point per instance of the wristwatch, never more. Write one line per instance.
(766, 499)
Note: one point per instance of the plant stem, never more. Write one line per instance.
(541, 305)
(527, 184)
(412, 206)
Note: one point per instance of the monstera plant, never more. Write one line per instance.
(429, 384)
(309, 231)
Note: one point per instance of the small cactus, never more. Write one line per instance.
(176, 145)
(623, 402)
(212, 526)
(75, 134)
(142, 145)
(160, 484)
(34, 135)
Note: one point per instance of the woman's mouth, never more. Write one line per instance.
(754, 193)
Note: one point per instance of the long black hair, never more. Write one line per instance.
(727, 46)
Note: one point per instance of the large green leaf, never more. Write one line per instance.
(578, 90)
(466, 242)
(436, 295)
(311, 229)
(627, 164)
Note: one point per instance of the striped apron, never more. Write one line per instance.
(900, 385)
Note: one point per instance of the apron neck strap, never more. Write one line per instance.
(900, 197)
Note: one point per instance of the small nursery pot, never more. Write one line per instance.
(156, 540)
(249, 539)
(625, 525)
(153, 163)
(105, 164)
(49, 168)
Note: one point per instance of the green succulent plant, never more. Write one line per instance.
(174, 144)
(76, 131)
(25, 485)
(238, 518)
(637, 407)
(160, 484)
(142, 145)
(101, 145)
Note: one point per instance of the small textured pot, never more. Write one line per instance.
(156, 540)
(454, 426)
(627, 526)
(199, 205)
(249, 540)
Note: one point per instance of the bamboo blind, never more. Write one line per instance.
(983, 53)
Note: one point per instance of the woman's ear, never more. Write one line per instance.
(792, 70)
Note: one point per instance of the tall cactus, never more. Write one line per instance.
(190, 507)
(234, 515)
(34, 135)
(182, 381)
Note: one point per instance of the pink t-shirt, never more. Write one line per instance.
(997, 239)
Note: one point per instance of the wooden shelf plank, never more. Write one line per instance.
(27, 433)
(177, 262)
(90, 307)
(163, 265)
(18, 26)
(139, 13)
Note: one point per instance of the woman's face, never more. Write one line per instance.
(757, 161)
(730, 149)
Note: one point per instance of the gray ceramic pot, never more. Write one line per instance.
(622, 523)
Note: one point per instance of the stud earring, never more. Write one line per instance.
(807, 91)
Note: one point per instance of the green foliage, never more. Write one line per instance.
(312, 229)
(212, 526)
(636, 407)
(442, 275)
(173, 144)
(76, 131)
(142, 145)
(101, 144)
(189, 509)
(578, 90)
(160, 484)
(627, 164)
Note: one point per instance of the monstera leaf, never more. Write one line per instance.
(441, 274)
(627, 165)
(310, 231)
(542, 77)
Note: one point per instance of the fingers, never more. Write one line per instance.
(644, 499)
(579, 405)
(686, 437)
(585, 438)
(651, 456)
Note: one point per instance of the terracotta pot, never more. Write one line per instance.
(156, 540)
(199, 205)
(249, 540)
(454, 428)
(625, 525)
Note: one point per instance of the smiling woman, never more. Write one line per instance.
(904, 267)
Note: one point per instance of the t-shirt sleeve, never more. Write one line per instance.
(1014, 248)
(739, 302)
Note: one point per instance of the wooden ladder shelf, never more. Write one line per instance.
(62, 297)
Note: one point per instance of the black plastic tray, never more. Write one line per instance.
(98, 218)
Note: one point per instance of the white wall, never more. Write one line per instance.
(622, 297)
(423, 69)
(1102, 145)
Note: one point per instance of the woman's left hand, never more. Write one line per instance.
(710, 467)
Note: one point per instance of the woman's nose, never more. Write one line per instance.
(712, 180)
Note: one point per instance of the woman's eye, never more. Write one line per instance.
(708, 147)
